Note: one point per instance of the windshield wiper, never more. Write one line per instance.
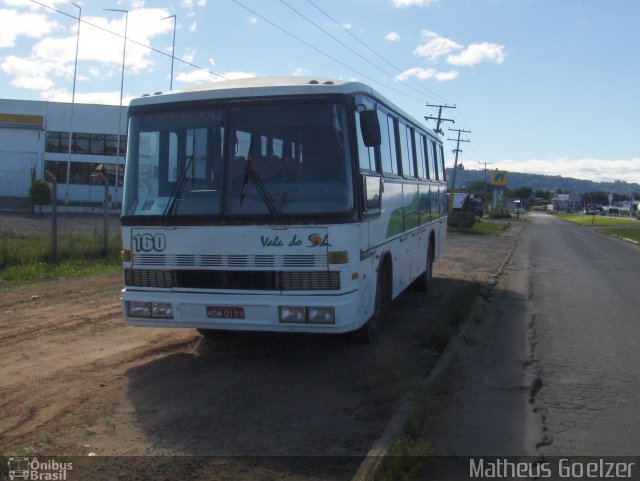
(177, 188)
(265, 195)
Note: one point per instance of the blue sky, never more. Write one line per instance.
(545, 86)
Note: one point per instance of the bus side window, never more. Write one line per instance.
(443, 172)
(420, 158)
(388, 151)
(366, 155)
(434, 154)
(406, 151)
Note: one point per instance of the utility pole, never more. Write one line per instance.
(485, 179)
(439, 118)
(455, 165)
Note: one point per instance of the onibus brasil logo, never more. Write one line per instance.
(33, 469)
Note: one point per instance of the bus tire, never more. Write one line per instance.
(425, 281)
(368, 333)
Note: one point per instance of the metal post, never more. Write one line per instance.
(73, 100)
(105, 229)
(53, 255)
(173, 47)
(124, 53)
(54, 222)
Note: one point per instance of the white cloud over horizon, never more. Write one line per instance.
(597, 170)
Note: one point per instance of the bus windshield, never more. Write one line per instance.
(269, 161)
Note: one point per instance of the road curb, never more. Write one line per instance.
(396, 426)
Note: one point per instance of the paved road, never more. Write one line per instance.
(553, 366)
(585, 306)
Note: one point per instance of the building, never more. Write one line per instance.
(571, 202)
(34, 145)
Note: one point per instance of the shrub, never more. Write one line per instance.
(40, 192)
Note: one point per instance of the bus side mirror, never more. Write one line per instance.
(370, 128)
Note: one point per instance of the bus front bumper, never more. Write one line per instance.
(278, 313)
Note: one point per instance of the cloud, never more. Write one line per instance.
(606, 170)
(234, 75)
(427, 73)
(33, 74)
(413, 3)
(15, 24)
(446, 76)
(435, 46)
(300, 72)
(253, 20)
(202, 76)
(392, 37)
(50, 62)
(34, 6)
(477, 53)
(102, 98)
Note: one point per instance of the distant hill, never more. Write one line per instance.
(547, 182)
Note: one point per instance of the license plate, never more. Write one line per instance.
(225, 312)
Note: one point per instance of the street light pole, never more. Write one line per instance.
(173, 47)
(73, 100)
(124, 54)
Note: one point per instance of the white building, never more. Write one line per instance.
(34, 138)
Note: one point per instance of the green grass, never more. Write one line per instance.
(632, 233)
(27, 258)
(599, 220)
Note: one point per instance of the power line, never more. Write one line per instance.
(131, 40)
(344, 44)
(376, 53)
(320, 51)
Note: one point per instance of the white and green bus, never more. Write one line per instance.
(277, 204)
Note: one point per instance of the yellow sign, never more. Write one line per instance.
(499, 178)
(19, 121)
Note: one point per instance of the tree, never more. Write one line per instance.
(545, 195)
(523, 192)
(476, 187)
(595, 198)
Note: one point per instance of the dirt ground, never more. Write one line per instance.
(76, 381)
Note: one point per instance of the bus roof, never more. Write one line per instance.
(257, 87)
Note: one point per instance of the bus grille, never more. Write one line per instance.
(176, 261)
(235, 280)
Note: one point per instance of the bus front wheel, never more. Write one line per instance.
(368, 333)
(426, 279)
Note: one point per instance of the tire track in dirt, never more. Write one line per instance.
(60, 395)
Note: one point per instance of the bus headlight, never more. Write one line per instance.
(162, 309)
(139, 309)
(320, 315)
(310, 315)
(291, 314)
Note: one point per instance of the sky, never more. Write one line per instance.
(544, 86)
